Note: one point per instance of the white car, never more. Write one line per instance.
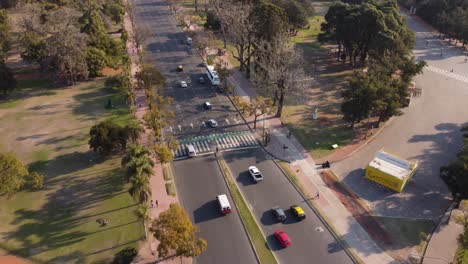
(212, 123)
(255, 173)
(183, 84)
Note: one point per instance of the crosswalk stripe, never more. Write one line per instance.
(235, 141)
(218, 143)
(225, 143)
(247, 140)
(241, 138)
(230, 142)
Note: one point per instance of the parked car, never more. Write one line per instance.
(278, 213)
(282, 238)
(201, 80)
(212, 123)
(255, 173)
(183, 84)
(298, 212)
(189, 41)
(204, 63)
(223, 203)
(190, 150)
(207, 105)
(180, 68)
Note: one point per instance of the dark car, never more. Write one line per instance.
(278, 213)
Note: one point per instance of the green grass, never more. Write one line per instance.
(264, 253)
(57, 224)
(406, 232)
(293, 177)
(9, 104)
(170, 189)
(461, 256)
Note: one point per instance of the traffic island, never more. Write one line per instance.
(254, 233)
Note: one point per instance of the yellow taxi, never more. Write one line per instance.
(298, 212)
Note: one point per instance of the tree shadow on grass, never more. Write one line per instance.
(52, 225)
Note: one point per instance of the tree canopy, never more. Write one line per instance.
(176, 234)
(107, 136)
(14, 176)
(456, 173)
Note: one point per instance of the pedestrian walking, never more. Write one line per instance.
(152, 204)
(317, 196)
(289, 134)
(157, 203)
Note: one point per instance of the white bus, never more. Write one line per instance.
(212, 75)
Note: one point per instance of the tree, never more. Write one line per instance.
(4, 35)
(106, 137)
(202, 45)
(455, 174)
(140, 188)
(14, 176)
(114, 11)
(177, 234)
(7, 80)
(96, 60)
(66, 51)
(297, 16)
(137, 157)
(278, 70)
(134, 130)
(163, 153)
(148, 77)
(34, 46)
(259, 106)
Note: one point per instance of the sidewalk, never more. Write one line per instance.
(148, 248)
(289, 149)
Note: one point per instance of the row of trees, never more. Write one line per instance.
(260, 32)
(73, 43)
(374, 36)
(7, 80)
(450, 17)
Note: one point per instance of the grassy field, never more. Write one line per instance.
(407, 235)
(48, 129)
(258, 240)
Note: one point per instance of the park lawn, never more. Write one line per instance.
(407, 235)
(48, 130)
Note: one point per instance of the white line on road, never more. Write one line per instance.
(180, 127)
(191, 125)
(227, 121)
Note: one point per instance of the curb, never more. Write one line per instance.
(238, 214)
(320, 217)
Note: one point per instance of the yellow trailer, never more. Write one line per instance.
(390, 171)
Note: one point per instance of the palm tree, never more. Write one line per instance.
(137, 156)
(140, 189)
(134, 130)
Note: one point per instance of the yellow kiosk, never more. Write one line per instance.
(390, 171)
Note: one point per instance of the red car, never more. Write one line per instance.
(282, 238)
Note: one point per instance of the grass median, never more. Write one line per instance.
(258, 240)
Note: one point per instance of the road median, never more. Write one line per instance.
(254, 233)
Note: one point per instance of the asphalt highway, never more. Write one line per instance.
(166, 47)
(198, 182)
(311, 241)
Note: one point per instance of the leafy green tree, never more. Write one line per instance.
(455, 174)
(134, 130)
(297, 15)
(14, 176)
(34, 47)
(106, 137)
(140, 188)
(125, 256)
(163, 153)
(5, 4)
(114, 11)
(148, 77)
(137, 157)
(7, 80)
(175, 232)
(96, 60)
(4, 35)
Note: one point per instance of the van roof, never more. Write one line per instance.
(223, 200)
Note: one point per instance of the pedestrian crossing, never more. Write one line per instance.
(220, 141)
(448, 74)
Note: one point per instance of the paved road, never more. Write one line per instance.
(199, 181)
(309, 245)
(167, 49)
(429, 132)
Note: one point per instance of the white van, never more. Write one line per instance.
(191, 150)
(223, 202)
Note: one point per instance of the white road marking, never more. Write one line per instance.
(227, 121)
(191, 125)
(180, 127)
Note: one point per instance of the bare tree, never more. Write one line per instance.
(241, 31)
(202, 44)
(259, 106)
(279, 70)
